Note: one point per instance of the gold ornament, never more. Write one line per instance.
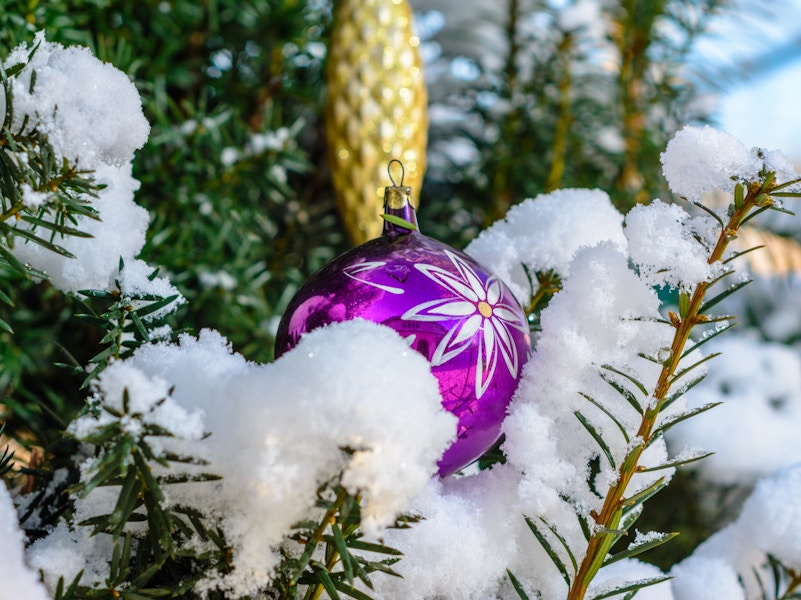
(376, 109)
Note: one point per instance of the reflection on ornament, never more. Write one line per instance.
(461, 317)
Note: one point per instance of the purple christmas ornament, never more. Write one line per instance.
(452, 310)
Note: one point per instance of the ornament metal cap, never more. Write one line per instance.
(398, 203)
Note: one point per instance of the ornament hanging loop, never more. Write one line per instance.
(396, 196)
(389, 172)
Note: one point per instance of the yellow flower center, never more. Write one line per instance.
(485, 309)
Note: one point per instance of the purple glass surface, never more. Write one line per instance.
(461, 317)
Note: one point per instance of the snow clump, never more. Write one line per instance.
(90, 111)
(769, 524)
(544, 233)
(92, 116)
(18, 579)
(278, 432)
(754, 432)
(701, 159)
(664, 243)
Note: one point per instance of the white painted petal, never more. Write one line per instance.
(468, 275)
(449, 282)
(489, 337)
(449, 347)
(425, 311)
(487, 360)
(469, 328)
(454, 308)
(365, 267)
(493, 290)
(506, 346)
(509, 317)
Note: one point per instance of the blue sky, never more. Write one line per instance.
(758, 50)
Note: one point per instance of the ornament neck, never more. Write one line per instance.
(398, 203)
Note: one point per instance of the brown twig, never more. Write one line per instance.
(609, 518)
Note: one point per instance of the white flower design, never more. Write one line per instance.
(481, 308)
(353, 270)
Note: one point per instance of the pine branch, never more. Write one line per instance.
(125, 322)
(610, 516)
(163, 564)
(28, 165)
(337, 531)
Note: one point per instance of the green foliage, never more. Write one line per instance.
(158, 562)
(126, 322)
(241, 216)
(395, 220)
(337, 540)
(215, 76)
(784, 583)
(229, 90)
(558, 92)
(6, 459)
(237, 231)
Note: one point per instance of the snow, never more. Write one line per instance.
(544, 233)
(353, 385)
(603, 310)
(137, 281)
(779, 301)
(65, 552)
(628, 571)
(779, 163)
(96, 126)
(149, 403)
(690, 454)
(655, 455)
(17, 577)
(119, 232)
(769, 523)
(474, 514)
(223, 279)
(700, 159)
(705, 578)
(257, 143)
(641, 538)
(662, 244)
(31, 198)
(755, 431)
(771, 517)
(579, 14)
(60, 108)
